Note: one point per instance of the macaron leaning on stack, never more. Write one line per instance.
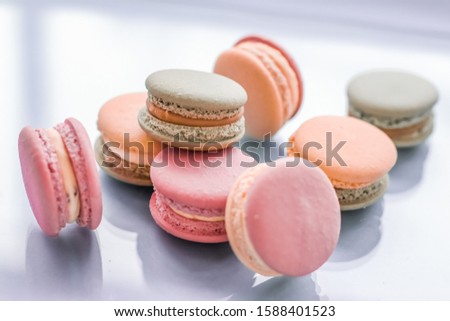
(283, 218)
(399, 103)
(60, 176)
(270, 77)
(193, 109)
(124, 151)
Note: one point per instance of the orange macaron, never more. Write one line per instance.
(271, 79)
(123, 150)
(355, 155)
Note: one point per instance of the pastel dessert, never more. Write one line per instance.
(124, 151)
(193, 109)
(271, 78)
(355, 155)
(191, 189)
(60, 176)
(283, 219)
(399, 103)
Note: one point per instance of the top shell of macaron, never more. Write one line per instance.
(201, 179)
(352, 152)
(196, 89)
(391, 93)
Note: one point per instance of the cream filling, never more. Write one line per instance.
(190, 133)
(197, 217)
(70, 182)
(388, 122)
(355, 195)
(193, 113)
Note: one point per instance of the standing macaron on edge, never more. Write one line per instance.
(60, 176)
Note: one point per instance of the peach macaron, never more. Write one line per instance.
(283, 218)
(123, 150)
(271, 78)
(355, 155)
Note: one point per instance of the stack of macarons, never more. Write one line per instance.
(182, 108)
(280, 218)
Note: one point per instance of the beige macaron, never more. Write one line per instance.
(398, 102)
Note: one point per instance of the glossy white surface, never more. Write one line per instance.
(61, 59)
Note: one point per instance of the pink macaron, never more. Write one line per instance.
(283, 219)
(60, 176)
(191, 189)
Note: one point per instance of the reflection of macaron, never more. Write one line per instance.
(191, 190)
(283, 219)
(124, 151)
(193, 109)
(355, 155)
(397, 102)
(271, 79)
(60, 176)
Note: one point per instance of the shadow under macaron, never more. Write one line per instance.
(269, 149)
(360, 233)
(174, 269)
(67, 267)
(126, 205)
(281, 288)
(408, 171)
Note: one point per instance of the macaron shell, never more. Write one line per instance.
(83, 161)
(263, 111)
(288, 57)
(197, 178)
(184, 228)
(391, 93)
(366, 155)
(292, 217)
(196, 89)
(38, 181)
(117, 118)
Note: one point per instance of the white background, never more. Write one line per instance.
(66, 58)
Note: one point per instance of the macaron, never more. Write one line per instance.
(284, 218)
(191, 189)
(60, 176)
(193, 109)
(399, 103)
(270, 77)
(123, 150)
(355, 155)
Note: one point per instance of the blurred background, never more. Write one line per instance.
(66, 58)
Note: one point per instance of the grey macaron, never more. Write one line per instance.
(400, 103)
